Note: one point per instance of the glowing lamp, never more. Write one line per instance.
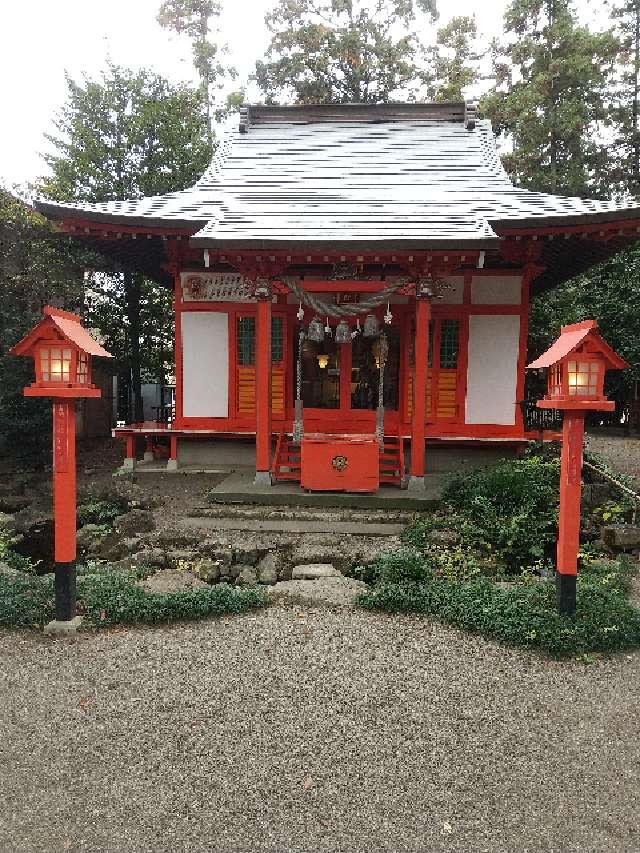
(323, 361)
(576, 364)
(61, 349)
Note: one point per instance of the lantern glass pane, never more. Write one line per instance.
(83, 368)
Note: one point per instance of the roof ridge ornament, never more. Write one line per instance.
(470, 115)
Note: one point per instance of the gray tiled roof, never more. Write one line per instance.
(399, 173)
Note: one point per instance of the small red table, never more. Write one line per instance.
(340, 463)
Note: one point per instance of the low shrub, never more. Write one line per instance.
(525, 614)
(111, 597)
(26, 600)
(101, 512)
(509, 509)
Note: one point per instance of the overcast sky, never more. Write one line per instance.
(40, 40)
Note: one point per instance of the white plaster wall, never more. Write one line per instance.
(205, 364)
(496, 290)
(493, 369)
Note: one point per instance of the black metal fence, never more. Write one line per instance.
(537, 420)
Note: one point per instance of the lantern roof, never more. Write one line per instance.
(574, 336)
(65, 323)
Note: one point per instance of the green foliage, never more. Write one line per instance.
(613, 512)
(525, 614)
(609, 292)
(37, 266)
(509, 509)
(341, 51)
(454, 60)
(113, 597)
(193, 18)
(26, 600)
(101, 512)
(551, 92)
(126, 135)
(624, 175)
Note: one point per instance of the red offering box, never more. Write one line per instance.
(340, 463)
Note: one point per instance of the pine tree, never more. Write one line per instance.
(195, 19)
(625, 174)
(453, 61)
(550, 97)
(341, 51)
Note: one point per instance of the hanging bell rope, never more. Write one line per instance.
(328, 309)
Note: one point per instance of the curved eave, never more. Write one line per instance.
(63, 213)
(556, 224)
(351, 245)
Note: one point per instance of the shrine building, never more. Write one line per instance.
(349, 273)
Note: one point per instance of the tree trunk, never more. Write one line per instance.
(553, 137)
(133, 293)
(636, 110)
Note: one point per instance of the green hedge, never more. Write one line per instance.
(110, 597)
(523, 614)
(114, 597)
(509, 509)
(26, 600)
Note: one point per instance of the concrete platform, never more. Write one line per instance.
(238, 487)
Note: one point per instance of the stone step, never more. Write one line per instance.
(300, 527)
(289, 513)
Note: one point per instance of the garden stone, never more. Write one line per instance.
(222, 556)
(307, 554)
(9, 571)
(152, 557)
(247, 556)
(124, 565)
(112, 547)
(622, 537)
(135, 521)
(235, 570)
(7, 524)
(171, 581)
(175, 558)
(13, 503)
(268, 569)
(247, 575)
(89, 538)
(333, 591)
(444, 537)
(174, 538)
(63, 629)
(207, 570)
(314, 571)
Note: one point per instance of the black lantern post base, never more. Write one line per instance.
(566, 594)
(65, 591)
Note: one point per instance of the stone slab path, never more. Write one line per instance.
(255, 525)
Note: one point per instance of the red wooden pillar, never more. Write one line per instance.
(263, 390)
(569, 522)
(172, 461)
(64, 505)
(423, 317)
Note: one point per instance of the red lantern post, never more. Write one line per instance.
(576, 363)
(61, 349)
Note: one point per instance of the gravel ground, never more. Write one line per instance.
(296, 729)
(621, 452)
